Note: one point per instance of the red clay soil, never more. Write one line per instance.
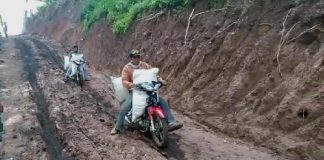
(227, 75)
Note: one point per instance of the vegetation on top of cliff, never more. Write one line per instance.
(121, 13)
(42, 9)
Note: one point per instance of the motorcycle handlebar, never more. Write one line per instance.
(79, 61)
(157, 85)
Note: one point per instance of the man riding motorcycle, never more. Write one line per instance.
(127, 80)
(69, 72)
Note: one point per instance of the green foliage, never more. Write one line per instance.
(41, 9)
(121, 13)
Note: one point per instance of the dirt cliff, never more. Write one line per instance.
(253, 73)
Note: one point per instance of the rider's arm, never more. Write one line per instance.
(126, 79)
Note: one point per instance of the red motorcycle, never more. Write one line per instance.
(153, 120)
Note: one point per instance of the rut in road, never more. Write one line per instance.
(48, 134)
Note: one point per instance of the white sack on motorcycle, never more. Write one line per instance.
(139, 97)
(66, 62)
(75, 57)
(120, 91)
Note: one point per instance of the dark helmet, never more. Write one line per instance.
(134, 52)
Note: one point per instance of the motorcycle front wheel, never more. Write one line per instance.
(160, 136)
(80, 79)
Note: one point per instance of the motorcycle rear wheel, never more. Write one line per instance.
(80, 80)
(160, 136)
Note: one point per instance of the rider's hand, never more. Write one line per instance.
(132, 85)
(163, 82)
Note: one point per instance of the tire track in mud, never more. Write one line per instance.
(47, 53)
(172, 151)
(48, 134)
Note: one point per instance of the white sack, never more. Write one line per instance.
(74, 67)
(121, 92)
(66, 62)
(76, 57)
(139, 97)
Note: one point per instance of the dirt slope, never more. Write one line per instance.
(227, 75)
(46, 118)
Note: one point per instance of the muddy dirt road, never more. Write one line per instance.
(46, 118)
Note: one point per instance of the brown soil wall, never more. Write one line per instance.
(226, 76)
